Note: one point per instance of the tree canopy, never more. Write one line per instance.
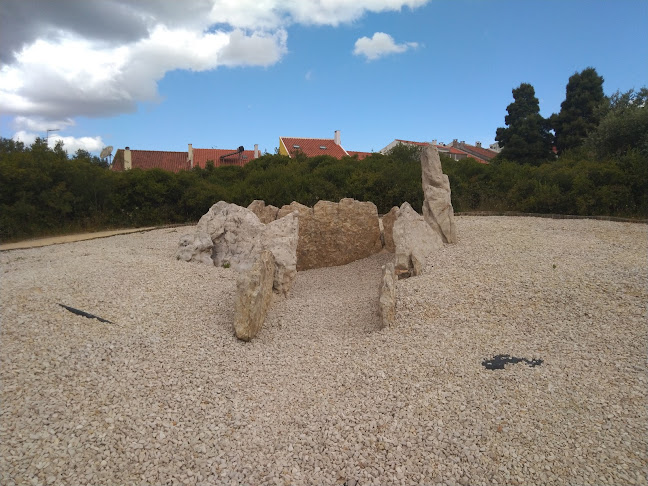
(526, 139)
(580, 112)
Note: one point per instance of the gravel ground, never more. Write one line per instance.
(167, 395)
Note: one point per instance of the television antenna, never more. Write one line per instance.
(106, 152)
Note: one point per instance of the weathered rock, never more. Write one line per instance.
(334, 234)
(437, 207)
(292, 207)
(196, 247)
(388, 221)
(238, 237)
(266, 214)
(415, 240)
(281, 238)
(254, 296)
(387, 295)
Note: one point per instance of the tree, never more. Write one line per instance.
(579, 113)
(527, 139)
(623, 125)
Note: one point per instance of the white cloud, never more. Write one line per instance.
(380, 45)
(70, 144)
(68, 58)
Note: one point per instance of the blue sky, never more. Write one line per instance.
(152, 77)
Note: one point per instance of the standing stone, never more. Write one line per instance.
(437, 207)
(414, 241)
(387, 295)
(266, 214)
(254, 296)
(332, 234)
(388, 221)
(237, 237)
(196, 247)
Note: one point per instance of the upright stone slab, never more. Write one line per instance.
(332, 234)
(414, 241)
(387, 295)
(266, 214)
(437, 206)
(254, 296)
(388, 221)
(237, 237)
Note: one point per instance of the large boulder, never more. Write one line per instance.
(332, 234)
(266, 214)
(237, 238)
(196, 247)
(415, 240)
(388, 221)
(437, 208)
(254, 296)
(387, 295)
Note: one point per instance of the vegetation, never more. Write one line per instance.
(44, 192)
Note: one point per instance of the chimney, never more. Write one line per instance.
(434, 142)
(128, 160)
(190, 156)
(478, 144)
(337, 137)
(454, 142)
(256, 150)
(462, 143)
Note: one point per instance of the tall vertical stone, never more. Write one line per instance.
(387, 295)
(437, 206)
(254, 296)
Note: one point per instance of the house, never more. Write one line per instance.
(126, 159)
(475, 150)
(312, 147)
(454, 151)
(359, 155)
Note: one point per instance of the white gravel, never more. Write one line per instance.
(167, 395)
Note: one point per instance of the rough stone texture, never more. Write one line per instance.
(266, 214)
(281, 238)
(238, 237)
(388, 221)
(253, 296)
(292, 207)
(387, 295)
(332, 234)
(195, 247)
(414, 241)
(322, 396)
(437, 206)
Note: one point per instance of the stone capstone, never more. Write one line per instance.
(332, 234)
(266, 214)
(196, 247)
(415, 240)
(238, 237)
(254, 296)
(388, 221)
(437, 207)
(387, 295)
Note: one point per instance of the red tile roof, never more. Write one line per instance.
(361, 155)
(481, 152)
(201, 156)
(312, 147)
(152, 159)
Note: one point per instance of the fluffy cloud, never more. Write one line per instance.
(380, 45)
(70, 144)
(67, 58)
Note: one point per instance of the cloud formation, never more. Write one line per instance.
(67, 58)
(380, 45)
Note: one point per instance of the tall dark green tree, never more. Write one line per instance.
(579, 113)
(526, 139)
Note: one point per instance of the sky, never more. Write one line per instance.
(161, 74)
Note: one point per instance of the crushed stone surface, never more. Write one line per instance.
(167, 395)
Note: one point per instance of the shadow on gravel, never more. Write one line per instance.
(498, 362)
